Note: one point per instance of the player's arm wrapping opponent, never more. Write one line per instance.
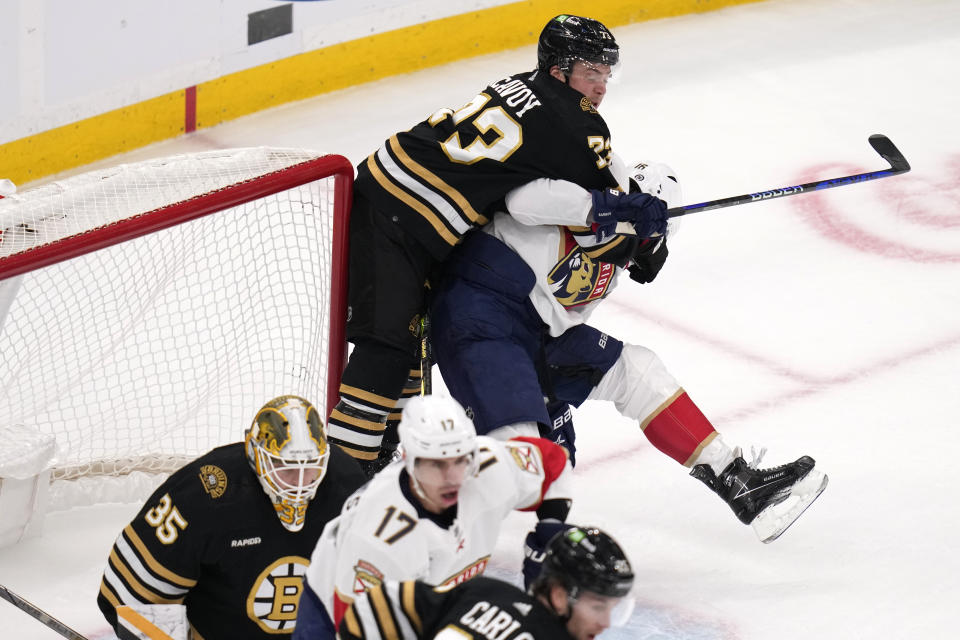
(509, 304)
(518, 275)
(637, 381)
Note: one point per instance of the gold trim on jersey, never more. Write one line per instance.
(350, 619)
(135, 583)
(465, 207)
(411, 202)
(381, 403)
(407, 591)
(153, 564)
(359, 454)
(366, 426)
(107, 593)
(383, 613)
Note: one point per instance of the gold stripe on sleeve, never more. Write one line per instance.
(384, 615)
(407, 590)
(381, 402)
(108, 594)
(435, 180)
(411, 202)
(134, 582)
(350, 619)
(158, 568)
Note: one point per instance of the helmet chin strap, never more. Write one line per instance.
(417, 487)
(571, 599)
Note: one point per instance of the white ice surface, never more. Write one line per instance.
(826, 324)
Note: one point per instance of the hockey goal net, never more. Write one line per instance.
(147, 311)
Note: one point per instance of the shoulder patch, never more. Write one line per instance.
(525, 456)
(587, 106)
(214, 480)
(366, 576)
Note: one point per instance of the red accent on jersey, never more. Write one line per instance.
(679, 429)
(469, 573)
(554, 461)
(339, 608)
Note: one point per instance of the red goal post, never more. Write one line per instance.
(148, 310)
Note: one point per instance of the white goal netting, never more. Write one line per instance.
(181, 309)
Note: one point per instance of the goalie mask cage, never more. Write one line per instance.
(147, 311)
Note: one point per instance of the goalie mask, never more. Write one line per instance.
(287, 450)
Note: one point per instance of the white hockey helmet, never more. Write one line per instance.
(656, 179)
(287, 450)
(435, 426)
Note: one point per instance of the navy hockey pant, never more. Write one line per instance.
(492, 348)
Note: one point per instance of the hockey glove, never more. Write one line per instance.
(561, 428)
(535, 548)
(647, 213)
(648, 259)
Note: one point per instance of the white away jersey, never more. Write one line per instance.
(569, 282)
(382, 535)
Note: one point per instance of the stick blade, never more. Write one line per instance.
(889, 152)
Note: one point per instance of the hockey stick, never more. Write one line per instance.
(426, 357)
(880, 143)
(39, 614)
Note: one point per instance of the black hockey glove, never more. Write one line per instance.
(561, 429)
(535, 548)
(648, 259)
(647, 213)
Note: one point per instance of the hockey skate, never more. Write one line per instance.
(770, 500)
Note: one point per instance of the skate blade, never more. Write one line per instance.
(777, 518)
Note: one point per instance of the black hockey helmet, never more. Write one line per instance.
(567, 39)
(587, 559)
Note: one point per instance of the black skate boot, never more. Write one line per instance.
(769, 500)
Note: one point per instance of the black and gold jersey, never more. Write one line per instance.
(448, 173)
(209, 538)
(482, 608)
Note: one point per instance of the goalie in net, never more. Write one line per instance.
(229, 535)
